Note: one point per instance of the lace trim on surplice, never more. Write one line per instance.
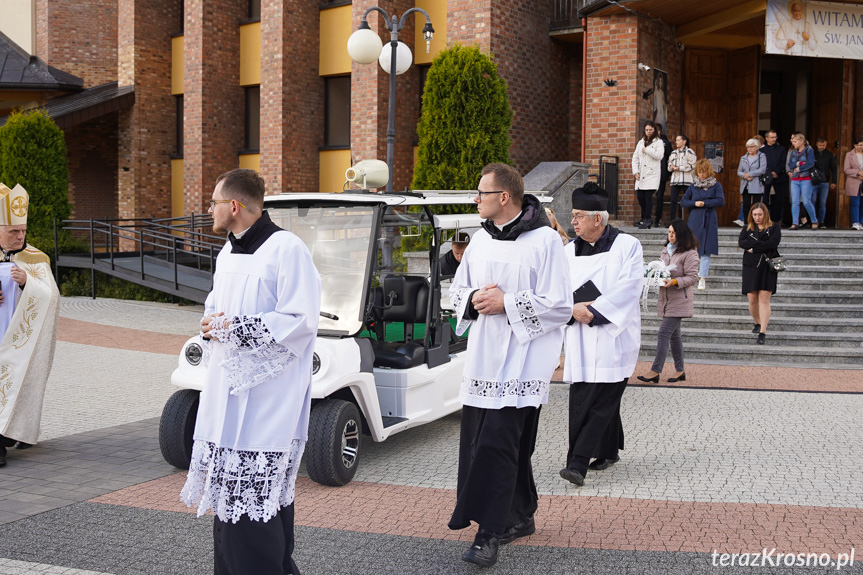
(510, 388)
(527, 313)
(234, 483)
(250, 354)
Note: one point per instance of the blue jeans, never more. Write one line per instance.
(856, 207)
(704, 266)
(819, 200)
(801, 191)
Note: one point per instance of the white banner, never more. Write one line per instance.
(814, 29)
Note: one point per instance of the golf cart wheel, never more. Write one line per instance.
(176, 427)
(333, 449)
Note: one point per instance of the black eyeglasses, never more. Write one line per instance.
(480, 194)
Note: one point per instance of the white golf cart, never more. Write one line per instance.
(385, 357)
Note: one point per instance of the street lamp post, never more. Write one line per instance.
(365, 46)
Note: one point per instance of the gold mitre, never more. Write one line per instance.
(13, 205)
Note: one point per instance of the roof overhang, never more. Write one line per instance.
(69, 111)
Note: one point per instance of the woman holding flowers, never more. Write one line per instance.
(675, 299)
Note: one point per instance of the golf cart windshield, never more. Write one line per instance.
(339, 239)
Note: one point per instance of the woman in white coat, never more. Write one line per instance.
(647, 169)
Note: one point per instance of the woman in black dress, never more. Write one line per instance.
(760, 241)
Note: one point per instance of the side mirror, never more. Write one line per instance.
(394, 291)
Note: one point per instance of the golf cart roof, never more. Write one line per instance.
(415, 198)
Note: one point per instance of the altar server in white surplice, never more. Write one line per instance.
(260, 319)
(604, 335)
(513, 292)
(29, 307)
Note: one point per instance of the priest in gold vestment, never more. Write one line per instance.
(29, 306)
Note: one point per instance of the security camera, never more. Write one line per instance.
(643, 67)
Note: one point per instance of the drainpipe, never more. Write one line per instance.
(583, 86)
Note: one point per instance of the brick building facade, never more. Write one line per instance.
(222, 83)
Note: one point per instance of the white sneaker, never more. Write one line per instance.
(856, 227)
(739, 223)
(702, 283)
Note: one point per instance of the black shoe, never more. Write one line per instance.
(572, 476)
(600, 464)
(484, 549)
(644, 226)
(757, 328)
(6, 441)
(638, 223)
(761, 338)
(517, 531)
(654, 379)
(676, 379)
(2, 461)
(23, 445)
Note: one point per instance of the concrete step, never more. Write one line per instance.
(790, 287)
(804, 300)
(747, 352)
(779, 308)
(741, 324)
(798, 270)
(732, 337)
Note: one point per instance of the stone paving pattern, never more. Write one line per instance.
(734, 460)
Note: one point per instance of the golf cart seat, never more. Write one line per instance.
(409, 307)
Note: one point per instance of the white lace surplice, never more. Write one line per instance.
(253, 417)
(512, 356)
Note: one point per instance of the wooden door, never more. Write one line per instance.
(705, 102)
(845, 135)
(825, 115)
(742, 122)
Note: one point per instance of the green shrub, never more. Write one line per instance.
(77, 283)
(33, 154)
(465, 120)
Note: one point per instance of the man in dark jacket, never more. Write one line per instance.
(449, 263)
(777, 192)
(664, 176)
(826, 162)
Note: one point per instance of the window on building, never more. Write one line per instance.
(254, 9)
(253, 119)
(337, 119)
(178, 101)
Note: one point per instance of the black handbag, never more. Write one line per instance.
(766, 179)
(817, 176)
(778, 263)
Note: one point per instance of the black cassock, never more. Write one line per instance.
(495, 478)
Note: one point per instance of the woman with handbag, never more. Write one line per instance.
(854, 182)
(752, 166)
(681, 163)
(801, 160)
(701, 199)
(675, 299)
(760, 243)
(647, 169)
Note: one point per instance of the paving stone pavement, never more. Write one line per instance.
(740, 459)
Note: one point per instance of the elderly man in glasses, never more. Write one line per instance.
(512, 290)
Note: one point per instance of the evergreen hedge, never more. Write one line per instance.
(33, 154)
(465, 120)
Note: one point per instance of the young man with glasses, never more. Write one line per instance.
(259, 329)
(512, 291)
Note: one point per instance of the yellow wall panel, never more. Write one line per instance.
(177, 188)
(333, 164)
(335, 31)
(437, 13)
(250, 54)
(177, 50)
(250, 162)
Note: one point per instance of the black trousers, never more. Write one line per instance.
(495, 478)
(676, 193)
(660, 199)
(595, 428)
(253, 547)
(777, 200)
(645, 200)
(748, 200)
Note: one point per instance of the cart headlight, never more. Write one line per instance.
(316, 363)
(194, 354)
